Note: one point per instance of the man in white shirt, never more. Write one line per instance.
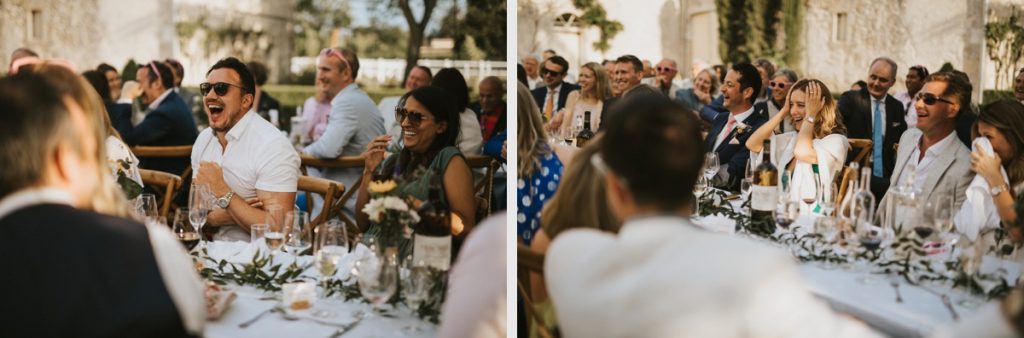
(532, 67)
(931, 159)
(354, 120)
(914, 82)
(661, 276)
(246, 162)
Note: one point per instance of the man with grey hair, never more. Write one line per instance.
(667, 71)
(871, 113)
(766, 69)
(532, 67)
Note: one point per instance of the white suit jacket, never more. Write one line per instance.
(664, 277)
(354, 122)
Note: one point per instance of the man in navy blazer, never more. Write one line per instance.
(168, 121)
(859, 108)
(553, 70)
(729, 131)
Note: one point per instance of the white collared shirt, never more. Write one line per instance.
(881, 106)
(739, 119)
(910, 109)
(924, 166)
(28, 197)
(257, 157)
(159, 99)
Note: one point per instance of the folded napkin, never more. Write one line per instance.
(978, 211)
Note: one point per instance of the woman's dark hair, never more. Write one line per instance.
(439, 103)
(99, 82)
(451, 79)
(259, 72)
(1008, 117)
(103, 68)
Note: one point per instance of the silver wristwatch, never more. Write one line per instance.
(996, 190)
(223, 202)
(810, 119)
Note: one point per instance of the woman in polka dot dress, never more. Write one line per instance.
(540, 169)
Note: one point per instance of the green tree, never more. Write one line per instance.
(314, 23)
(483, 27)
(750, 29)
(1004, 42)
(594, 14)
(379, 40)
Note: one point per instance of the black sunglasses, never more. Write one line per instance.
(779, 85)
(414, 117)
(929, 98)
(220, 88)
(544, 71)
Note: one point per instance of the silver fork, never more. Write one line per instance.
(896, 287)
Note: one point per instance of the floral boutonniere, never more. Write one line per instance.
(742, 128)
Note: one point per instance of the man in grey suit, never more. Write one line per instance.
(353, 122)
(942, 162)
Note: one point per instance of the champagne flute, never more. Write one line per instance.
(828, 200)
(299, 236)
(711, 165)
(186, 233)
(333, 245)
(745, 186)
(698, 190)
(199, 206)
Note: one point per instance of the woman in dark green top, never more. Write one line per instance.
(430, 127)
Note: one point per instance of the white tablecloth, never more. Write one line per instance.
(920, 313)
(250, 302)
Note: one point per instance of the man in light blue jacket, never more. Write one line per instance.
(353, 122)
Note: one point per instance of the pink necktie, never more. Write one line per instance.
(725, 132)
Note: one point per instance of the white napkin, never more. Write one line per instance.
(347, 263)
(978, 211)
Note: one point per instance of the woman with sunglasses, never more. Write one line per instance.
(815, 151)
(428, 154)
(998, 161)
(705, 86)
(780, 85)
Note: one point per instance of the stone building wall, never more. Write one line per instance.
(66, 29)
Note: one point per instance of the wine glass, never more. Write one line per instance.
(786, 213)
(698, 190)
(925, 225)
(298, 235)
(146, 206)
(870, 238)
(186, 233)
(416, 285)
(275, 227)
(748, 170)
(710, 165)
(828, 199)
(377, 276)
(199, 205)
(333, 245)
(809, 194)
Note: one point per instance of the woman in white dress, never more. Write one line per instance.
(594, 89)
(819, 143)
(998, 160)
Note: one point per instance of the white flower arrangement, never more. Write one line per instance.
(391, 207)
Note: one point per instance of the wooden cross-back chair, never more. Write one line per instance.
(861, 150)
(530, 261)
(170, 183)
(847, 175)
(331, 191)
(168, 151)
(484, 185)
(347, 192)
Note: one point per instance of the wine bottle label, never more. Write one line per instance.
(434, 251)
(764, 198)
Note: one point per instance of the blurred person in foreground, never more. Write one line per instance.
(123, 164)
(476, 304)
(605, 285)
(53, 155)
(539, 169)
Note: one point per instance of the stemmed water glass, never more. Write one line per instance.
(416, 285)
(333, 245)
(199, 205)
(298, 235)
(145, 206)
(870, 238)
(377, 276)
(698, 190)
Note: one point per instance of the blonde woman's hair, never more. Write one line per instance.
(602, 86)
(532, 138)
(580, 201)
(828, 122)
(108, 197)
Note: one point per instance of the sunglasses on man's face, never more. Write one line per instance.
(545, 71)
(414, 117)
(779, 85)
(930, 99)
(665, 69)
(219, 88)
